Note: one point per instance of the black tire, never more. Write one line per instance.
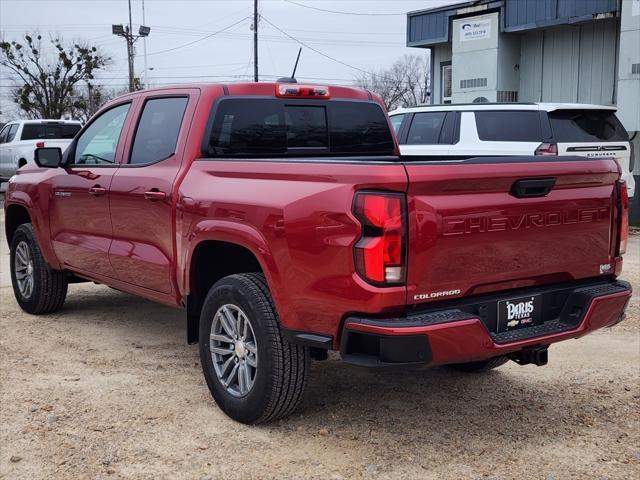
(49, 286)
(482, 366)
(282, 371)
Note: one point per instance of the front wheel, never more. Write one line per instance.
(37, 287)
(253, 373)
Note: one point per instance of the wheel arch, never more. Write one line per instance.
(212, 260)
(15, 215)
(208, 240)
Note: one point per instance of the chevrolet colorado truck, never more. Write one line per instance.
(282, 220)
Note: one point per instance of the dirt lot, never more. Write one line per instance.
(108, 388)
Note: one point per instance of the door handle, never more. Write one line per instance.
(533, 187)
(97, 190)
(154, 195)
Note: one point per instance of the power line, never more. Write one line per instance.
(314, 49)
(346, 13)
(316, 40)
(200, 39)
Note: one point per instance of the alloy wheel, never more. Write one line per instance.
(234, 350)
(23, 269)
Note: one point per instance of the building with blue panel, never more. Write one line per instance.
(585, 51)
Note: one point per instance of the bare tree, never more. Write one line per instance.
(404, 84)
(47, 86)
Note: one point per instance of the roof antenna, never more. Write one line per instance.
(295, 67)
(292, 78)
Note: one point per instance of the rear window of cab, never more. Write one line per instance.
(273, 128)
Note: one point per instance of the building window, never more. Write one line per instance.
(446, 82)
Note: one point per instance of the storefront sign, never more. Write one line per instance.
(475, 30)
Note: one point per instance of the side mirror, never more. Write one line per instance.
(48, 157)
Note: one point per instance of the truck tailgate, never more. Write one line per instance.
(470, 232)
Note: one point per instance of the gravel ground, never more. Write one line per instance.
(108, 388)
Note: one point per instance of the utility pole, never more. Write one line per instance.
(130, 52)
(255, 40)
(127, 33)
(144, 48)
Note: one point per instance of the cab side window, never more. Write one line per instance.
(98, 143)
(11, 134)
(3, 133)
(157, 134)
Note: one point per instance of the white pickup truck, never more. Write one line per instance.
(19, 139)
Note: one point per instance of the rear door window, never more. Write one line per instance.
(425, 128)
(509, 126)
(396, 122)
(586, 126)
(266, 127)
(158, 129)
(38, 131)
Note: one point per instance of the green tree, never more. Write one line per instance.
(47, 86)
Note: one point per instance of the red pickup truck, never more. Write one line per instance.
(282, 219)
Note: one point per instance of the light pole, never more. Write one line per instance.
(127, 33)
(145, 75)
(144, 47)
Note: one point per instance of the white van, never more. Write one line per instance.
(455, 132)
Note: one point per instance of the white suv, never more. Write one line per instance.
(19, 139)
(455, 132)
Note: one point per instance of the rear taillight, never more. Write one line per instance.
(623, 233)
(547, 149)
(302, 91)
(40, 145)
(380, 254)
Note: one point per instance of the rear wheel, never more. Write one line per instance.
(253, 373)
(37, 287)
(482, 366)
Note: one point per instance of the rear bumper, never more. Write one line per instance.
(457, 335)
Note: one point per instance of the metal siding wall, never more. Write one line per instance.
(441, 53)
(428, 27)
(569, 64)
(560, 65)
(526, 12)
(597, 62)
(578, 8)
(531, 67)
(628, 91)
(520, 13)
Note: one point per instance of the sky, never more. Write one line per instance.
(211, 40)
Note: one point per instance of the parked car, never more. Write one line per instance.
(456, 132)
(19, 139)
(281, 219)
